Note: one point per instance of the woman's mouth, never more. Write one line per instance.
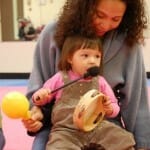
(100, 33)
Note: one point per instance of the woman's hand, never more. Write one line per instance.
(107, 106)
(41, 97)
(34, 124)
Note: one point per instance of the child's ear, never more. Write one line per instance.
(69, 60)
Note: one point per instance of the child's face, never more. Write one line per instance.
(83, 59)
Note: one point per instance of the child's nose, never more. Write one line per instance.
(92, 60)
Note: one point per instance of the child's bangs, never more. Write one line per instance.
(90, 44)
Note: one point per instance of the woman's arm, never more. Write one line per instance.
(136, 108)
(44, 66)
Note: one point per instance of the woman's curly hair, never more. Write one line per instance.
(76, 18)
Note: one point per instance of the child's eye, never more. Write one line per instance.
(85, 55)
(98, 56)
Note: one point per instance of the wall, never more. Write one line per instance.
(147, 8)
(0, 27)
(42, 11)
(17, 57)
(146, 54)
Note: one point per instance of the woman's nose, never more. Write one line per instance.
(106, 26)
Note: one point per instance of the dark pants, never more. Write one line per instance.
(40, 140)
(2, 140)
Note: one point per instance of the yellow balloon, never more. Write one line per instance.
(15, 105)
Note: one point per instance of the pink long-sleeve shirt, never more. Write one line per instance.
(57, 81)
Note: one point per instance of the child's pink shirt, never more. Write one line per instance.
(56, 81)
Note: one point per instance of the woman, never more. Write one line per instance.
(120, 24)
(2, 138)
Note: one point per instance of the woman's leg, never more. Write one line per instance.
(2, 139)
(40, 140)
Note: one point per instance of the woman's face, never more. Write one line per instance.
(109, 14)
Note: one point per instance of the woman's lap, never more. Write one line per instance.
(40, 140)
(2, 139)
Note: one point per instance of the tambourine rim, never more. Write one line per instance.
(80, 123)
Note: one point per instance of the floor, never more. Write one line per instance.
(15, 133)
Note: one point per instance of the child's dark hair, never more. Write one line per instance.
(73, 43)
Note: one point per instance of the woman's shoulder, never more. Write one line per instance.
(48, 30)
(50, 26)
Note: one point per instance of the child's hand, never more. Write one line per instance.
(107, 106)
(41, 97)
(34, 124)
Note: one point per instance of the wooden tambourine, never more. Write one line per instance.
(89, 111)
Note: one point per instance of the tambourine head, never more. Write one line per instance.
(89, 111)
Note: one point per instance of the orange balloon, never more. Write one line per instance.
(15, 105)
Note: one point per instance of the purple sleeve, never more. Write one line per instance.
(107, 90)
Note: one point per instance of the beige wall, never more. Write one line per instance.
(147, 6)
(17, 57)
(0, 27)
(146, 54)
(42, 11)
